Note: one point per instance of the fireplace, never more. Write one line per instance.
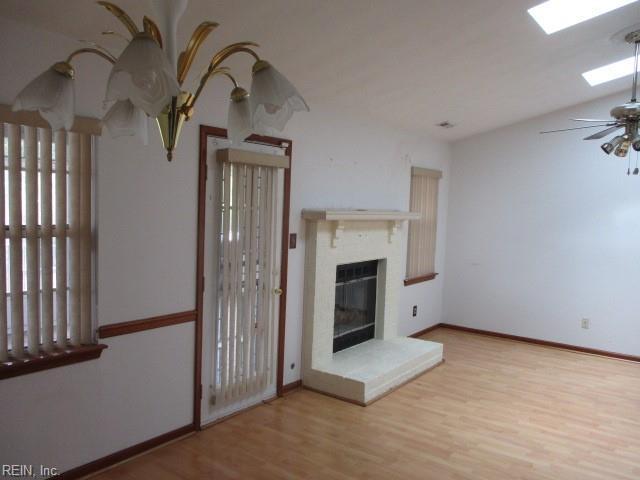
(355, 313)
(353, 276)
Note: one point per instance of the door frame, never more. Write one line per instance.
(205, 133)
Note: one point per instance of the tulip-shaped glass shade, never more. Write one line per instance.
(125, 119)
(52, 94)
(143, 75)
(239, 118)
(273, 98)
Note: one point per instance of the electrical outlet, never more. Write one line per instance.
(415, 310)
(586, 323)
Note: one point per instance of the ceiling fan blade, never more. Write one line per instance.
(589, 120)
(580, 128)
(604, 133)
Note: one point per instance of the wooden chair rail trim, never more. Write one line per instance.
(45, 361)
(125, 454)
(535, 341)
(423, 278)
(125, 328)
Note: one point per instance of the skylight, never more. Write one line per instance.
(609, 72)
(556, 15)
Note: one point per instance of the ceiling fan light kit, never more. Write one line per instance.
(627, 116)
(146, 80)
(610, 146)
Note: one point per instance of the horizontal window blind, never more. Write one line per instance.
(421, 252)
(45, 265)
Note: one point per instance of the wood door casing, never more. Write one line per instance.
(205, 133)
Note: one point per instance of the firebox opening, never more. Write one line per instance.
(355, 313)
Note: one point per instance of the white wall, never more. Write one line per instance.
(146, 221)
(542, 232)
(142, 385)
(341, 162)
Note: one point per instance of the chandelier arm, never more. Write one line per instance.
(187, 56)
(232, 49)
(152, 30)
(104, 54)
(203, 81)
(230, 77)
(122, 16)
(218, 58)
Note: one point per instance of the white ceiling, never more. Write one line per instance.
(480, 64)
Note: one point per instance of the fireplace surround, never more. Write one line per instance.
(364, 371)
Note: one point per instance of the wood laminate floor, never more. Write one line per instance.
(496, 409)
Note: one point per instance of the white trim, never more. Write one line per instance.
(426, 172)
(86, 125)
(234, 155)
(358, 215)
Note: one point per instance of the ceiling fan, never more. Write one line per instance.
(625, 116)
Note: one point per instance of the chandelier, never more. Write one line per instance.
(146, 81)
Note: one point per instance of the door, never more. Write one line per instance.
(242, 255)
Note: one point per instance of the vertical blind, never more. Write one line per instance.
(422, 233)
(245, 330)
(244, 333)
(45, 265)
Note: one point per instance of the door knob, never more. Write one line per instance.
(278, 291)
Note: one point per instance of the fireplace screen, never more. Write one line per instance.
(355, 314)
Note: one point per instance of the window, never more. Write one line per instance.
(421, 251)
(46, 262)
(556, 15)
(612, 71)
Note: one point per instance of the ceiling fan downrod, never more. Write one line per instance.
(634, 88)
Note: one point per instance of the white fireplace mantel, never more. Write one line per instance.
(394, 218)
(359, 215)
